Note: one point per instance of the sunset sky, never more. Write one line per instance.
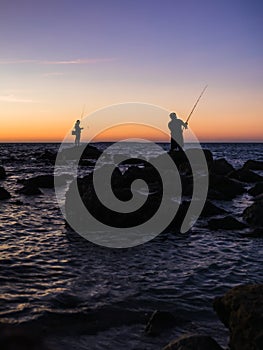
(57, 56)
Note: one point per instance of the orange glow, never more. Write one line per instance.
(131, 131)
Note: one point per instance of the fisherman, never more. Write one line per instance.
(77, 132)
(176, 127)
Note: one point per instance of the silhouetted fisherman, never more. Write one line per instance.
(77, 132)
(176, 127)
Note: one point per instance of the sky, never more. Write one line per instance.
(62, 56)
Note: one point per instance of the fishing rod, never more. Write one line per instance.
(83, 109)
(196, 103)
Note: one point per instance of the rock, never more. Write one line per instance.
(226, 223)
(2, 173)
(4, 194)
(30, 190)
(46, 181)
(253, 165)
(81, 152)
(210, 209)
(193, 342)
(159, 322)
(241, 311)
(194, 153)
(258, 198)
(221, 167)
(254, 214)
(224, 187)
(256, 233)
(245, 175)
(256, 190)
(48, 155)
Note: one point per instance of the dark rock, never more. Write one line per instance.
(12, 339)
(258, 198)
(226, 188)
(30, 190)
(194, 153)
(253, 165)
(221, 167)
(256, 233)
(46, 181)
(245, 175)
(2, 173)
(81, 152)
(210, 209)
(159, 322)
(226, 223)
(256, 190)
(254, 214)
(17, 202)
(193, 342)
(48, 155)
(241, 311)
(4, 194)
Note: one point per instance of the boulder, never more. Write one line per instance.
(193, 342)
(226, 223)
(48, 155)
(4, 194)
(245, 175)
(82, 152)
(221, 167)
(224, 187)
(254, 214)
(253, 165)
(45, 181)
(159, 322)
(2, 173)
(30, 190)
(256, 233)
(256, 190)
(210, 209)
(241, 311)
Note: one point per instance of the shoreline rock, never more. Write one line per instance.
(241, 311)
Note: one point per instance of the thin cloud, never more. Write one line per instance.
(53, 74)
(14, 99)
(60, 62)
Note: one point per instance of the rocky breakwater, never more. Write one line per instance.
(241, 311)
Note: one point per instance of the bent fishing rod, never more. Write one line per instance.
(196, 104)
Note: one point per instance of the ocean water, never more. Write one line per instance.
(51, 276)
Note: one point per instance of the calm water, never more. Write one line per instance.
(46, 270)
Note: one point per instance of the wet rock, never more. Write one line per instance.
(2, 173)
(226, 223)
(30, 190)
(221, 167)
(245, 175)
(193, 342)
(256, 233)
(81, 152)
(210, 209)
(4, 194)
(254, 214)
(224, 187)
(256, 190)
(159, 322)
(48, 155)
(241, 311)
(253, 165)
(45, 181)
(13, 339)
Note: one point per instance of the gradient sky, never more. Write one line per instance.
(59, 55)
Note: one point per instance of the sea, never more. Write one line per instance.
(91, 297)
